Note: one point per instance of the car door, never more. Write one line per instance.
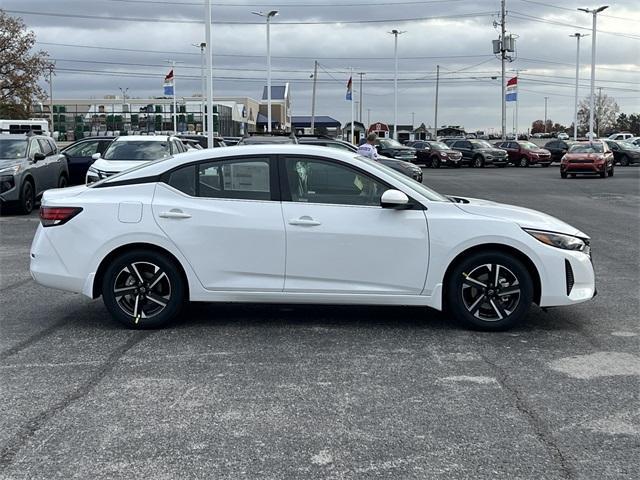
(50, 166)
(38, 168)
(225, 217)
(463, 147)
(79, 158)
(340, 240)
(615, 149)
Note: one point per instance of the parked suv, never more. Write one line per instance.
(130, 151)
(480, 153)
(394, 149)
(435, 154)
(624, 153)
(557, 148)
(29, 165)
(524, 154)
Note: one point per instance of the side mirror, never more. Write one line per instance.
(38, 156)
(96, 156)
(394, 199)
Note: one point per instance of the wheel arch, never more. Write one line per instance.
(97, 283)
(502, 248)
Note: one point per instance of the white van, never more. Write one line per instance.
(39, 126)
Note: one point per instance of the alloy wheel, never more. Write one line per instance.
(142, 290)
(490, 292)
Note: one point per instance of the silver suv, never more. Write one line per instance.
(29, 165)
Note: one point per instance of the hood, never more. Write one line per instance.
(398, 163)
(524, 217)
(116, 166)
(10, 162)
(583, 156)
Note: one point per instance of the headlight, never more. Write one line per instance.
(10, 170)
(559, 240)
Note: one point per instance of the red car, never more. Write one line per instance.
(524, 154)
(593, 158)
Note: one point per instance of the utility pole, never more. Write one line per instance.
(51, 67)
(313, 98)
(503, 57)
(577, 36)
(268, 16)
(594, 12)
(362, 74)
(545, 114)
(368, 117)
(598, 116)
(435, 120)
(413, 120)
(209, 44)
(395, 33)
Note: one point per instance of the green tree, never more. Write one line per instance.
(622, 122)
(20, 68)
(634, 124)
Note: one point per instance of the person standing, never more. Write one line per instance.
(368, 149)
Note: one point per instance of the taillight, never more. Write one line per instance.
(51, 216)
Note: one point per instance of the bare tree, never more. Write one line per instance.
(605, 115)
(20, 68)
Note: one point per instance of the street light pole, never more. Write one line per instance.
(577, 36)
(545, 114)
(208, 46)
(202, 46)
(395, 34)
(268, 17)
(435, 120)
(362, 74)
(594, 12)
(313, 98)
(51, 68)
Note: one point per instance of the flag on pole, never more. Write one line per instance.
(349, 89)
(512, 90)
(168, 83)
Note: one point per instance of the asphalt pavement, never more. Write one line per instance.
(297, 392)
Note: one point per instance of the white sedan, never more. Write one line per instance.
(301, 224)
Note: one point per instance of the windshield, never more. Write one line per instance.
(13, 148)
(586, 148)
(629, 145)
(481, 143)
(137, 150)
(408, 181)
(529, 146)
(390, 143)
(440, 146)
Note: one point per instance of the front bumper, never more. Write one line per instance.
(9, 191)
(570, 279)
(589, 168)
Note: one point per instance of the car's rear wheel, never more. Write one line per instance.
(602, 174)
(489, 291)
(143, 289)
(478, 161)
(624, 160)
(523, 162)
(435, 162)
(62, 181)
(27, 198)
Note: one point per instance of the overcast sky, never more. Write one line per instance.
(455, 34)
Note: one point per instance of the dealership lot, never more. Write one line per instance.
(238, 391)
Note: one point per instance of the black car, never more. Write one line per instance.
(79, 156)
(480, 153)
(231, 141)
(624, 153)
(435, 154)
(202, 140)
(558, 148)
(406, 168)
(394, 149)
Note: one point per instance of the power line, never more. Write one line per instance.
(235, 22)
(574, 10)
(281, 5)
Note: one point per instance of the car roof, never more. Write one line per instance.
(143, 138)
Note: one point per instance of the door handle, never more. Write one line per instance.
(174, 213)
(304, 221)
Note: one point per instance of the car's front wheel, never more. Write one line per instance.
(489, 291)
(143, 289)
(624, 161)
(435, 162)
(478, 161)
(524, 162)
(27, 198)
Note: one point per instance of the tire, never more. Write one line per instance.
(435, 162)
(523, 162)
(478, 161)
(141, 309)
(610, 172)
(62, 181)
(545, 165)
(624, 161)
(27, 198)
(563, 174)
(477, 306)
(602, 174)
